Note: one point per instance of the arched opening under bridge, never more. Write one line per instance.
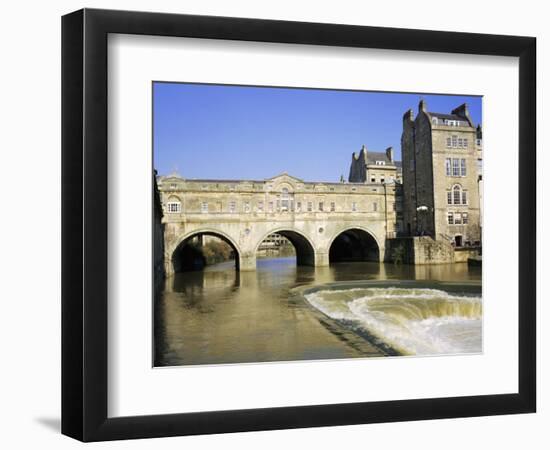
(286, 243)
(354, 245)
(203, 249)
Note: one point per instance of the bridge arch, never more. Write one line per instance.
(354, 243)
(176, 254)
(303, 245)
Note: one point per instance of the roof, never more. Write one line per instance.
(447, 116)
(450, 117)
(372, 157)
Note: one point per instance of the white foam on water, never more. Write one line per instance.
(413, 321)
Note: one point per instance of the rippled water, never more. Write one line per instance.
(223, 316)
(412, 321)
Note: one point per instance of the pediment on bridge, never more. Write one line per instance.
(285, 177)
(167, 178)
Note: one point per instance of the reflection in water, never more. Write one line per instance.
(220, 315)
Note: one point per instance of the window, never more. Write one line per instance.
(204, 207)
(450, 218)
(456, 195)
(448, 142)
(465, 218)
(246, 207)
(458, 219)
(382, 180)
(373, 180)
(332, 206)
(465, 143)
(278, 205)
(459, 142)
(456, 171)
(354, 206)
(455, 141)
(173, 186)
(459, 196)
(462, 167)
(321, 205)
(284, 201)
(375, 206)
(270, 206)
(478, 142)
(448, 167)
(309, 206)
(298, 206)
(380, 163)
(232, 206)
(260, 206)
(434, 120)
(173, 207)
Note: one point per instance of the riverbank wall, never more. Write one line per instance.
(422, 250)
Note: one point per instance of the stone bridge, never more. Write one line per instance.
(325, 222)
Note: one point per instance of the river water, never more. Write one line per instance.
(220, 315)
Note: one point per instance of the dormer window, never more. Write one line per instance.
(380, 163)
(452, 123)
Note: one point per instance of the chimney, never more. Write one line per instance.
(389, 154)
(422, 106)
(463, 111)
(479, 133)
(408, 116)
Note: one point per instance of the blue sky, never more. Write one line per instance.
(236, 132)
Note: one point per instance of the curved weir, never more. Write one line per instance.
(414, 318)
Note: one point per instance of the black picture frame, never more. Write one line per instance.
(84, 224)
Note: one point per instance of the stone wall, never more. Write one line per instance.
(419, 250)
(158, 238)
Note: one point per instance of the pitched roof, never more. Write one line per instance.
(450, 117)
(372, 157)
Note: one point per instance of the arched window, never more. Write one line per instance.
(173, 205)
(286, 199)
(459, 196)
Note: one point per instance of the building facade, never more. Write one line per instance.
(442, 156)
(374, 167)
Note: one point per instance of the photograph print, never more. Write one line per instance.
(294, 224)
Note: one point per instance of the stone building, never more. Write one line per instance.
(374, 167)
(442, 157)
(319, 218)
